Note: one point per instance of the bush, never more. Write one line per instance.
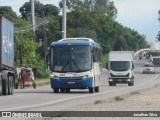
(41, 73)
(104, 60)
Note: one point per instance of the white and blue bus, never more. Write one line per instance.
(75, 64)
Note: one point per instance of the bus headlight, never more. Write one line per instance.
(54, 76)
(88, 75)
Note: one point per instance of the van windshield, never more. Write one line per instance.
(120, 65)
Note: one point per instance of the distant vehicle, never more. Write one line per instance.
(7, 76)
(75, 64)
(120, 67)
(149, 68)
(155, 57)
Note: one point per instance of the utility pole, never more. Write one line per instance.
(45, 45)
(20, 50)
(32, 13)
(64, 19)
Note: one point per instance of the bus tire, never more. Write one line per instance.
(68, 90)
(91, 90)
(56, 90)
(62, 90)
(97, 89)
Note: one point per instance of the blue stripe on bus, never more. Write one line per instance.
(79, 84)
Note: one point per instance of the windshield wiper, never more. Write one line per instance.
(65, 65)
(76, 64)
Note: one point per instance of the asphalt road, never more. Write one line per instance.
(43, 99)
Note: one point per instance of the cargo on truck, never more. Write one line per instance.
(121, 68)
(7, 76)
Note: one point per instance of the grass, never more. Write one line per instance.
(99, 102)
(119, 98)
(104, 60)
(135, 93)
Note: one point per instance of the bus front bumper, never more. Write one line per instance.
(72, 84)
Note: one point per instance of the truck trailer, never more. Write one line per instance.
(7, 76)
(120, 67)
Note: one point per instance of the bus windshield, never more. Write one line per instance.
(70, 58)
(119, 65)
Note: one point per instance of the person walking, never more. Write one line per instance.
(22, 77)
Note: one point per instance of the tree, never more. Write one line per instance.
(8, 13)
(40, 10)
(107, 6)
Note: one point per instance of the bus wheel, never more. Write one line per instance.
(62, 90)
(91, 90)
(68, 90)
(56, 90)
(97, 89)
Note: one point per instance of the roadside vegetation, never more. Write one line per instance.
(135, 93)
(96, 21)
(119, 98)
(99, 102)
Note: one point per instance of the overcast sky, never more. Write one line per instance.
(140, 15)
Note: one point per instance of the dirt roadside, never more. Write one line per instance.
(141, 100)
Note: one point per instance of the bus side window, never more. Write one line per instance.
(96, 55)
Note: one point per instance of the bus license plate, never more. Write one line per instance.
(71, 83)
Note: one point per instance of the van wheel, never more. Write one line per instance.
(131, 83)
(110, 83)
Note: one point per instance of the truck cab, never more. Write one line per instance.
(121, 68)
